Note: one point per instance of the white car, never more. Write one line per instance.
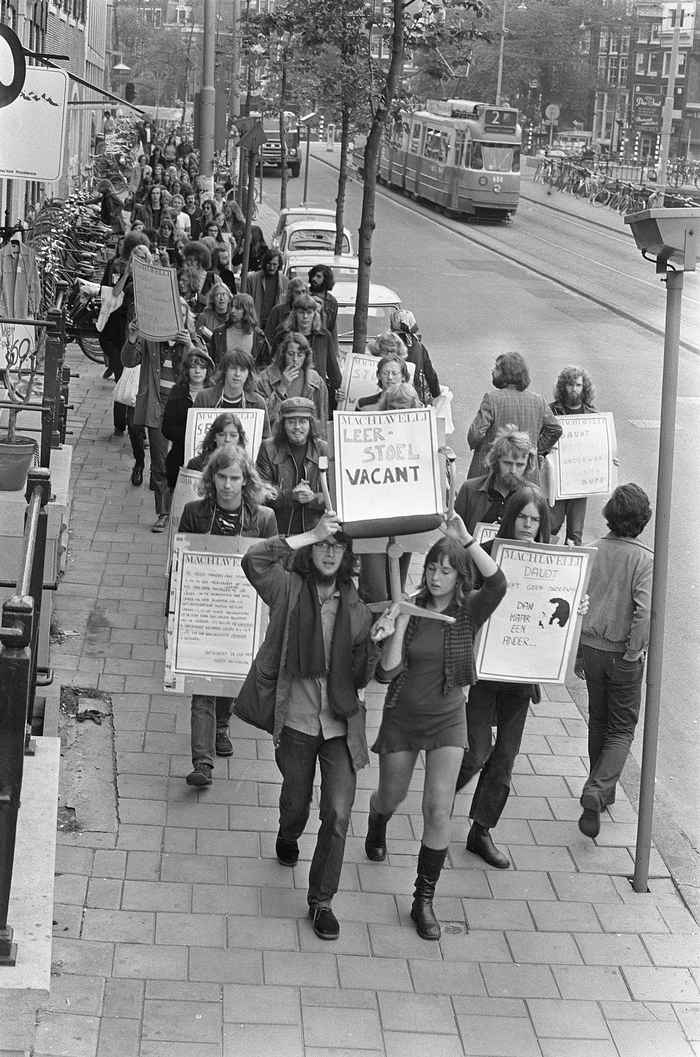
(382, 302)
(313, 237)
(297, 214)
(300, 264)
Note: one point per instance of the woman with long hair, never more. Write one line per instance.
(305, 318)
(235, 385)
(292, 373)
(225, 429)
(241, 331)
(195, 375)
(391, 371)
(426, 662)
(215, 315)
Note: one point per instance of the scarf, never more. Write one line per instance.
(305, 653)
(458, 653)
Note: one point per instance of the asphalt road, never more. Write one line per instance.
(561, 290)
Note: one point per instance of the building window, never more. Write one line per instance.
(680, 69)
(613, 71)
(654, 64)
(640, 64)
(655, 33)
(643, 32)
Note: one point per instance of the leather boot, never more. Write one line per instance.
(479, 843)
(430, 863)
(375, 841)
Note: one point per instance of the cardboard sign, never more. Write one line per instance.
(360, 378)
(386, 467)
(216, 619)
(33, 127)
(530, 636)
(485, 531)
(582, 461)
(199, 419)
(186, 491)
(157, 300)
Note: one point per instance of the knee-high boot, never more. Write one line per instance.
(375, 841)
(430, 863)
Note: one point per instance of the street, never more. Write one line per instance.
(471, 303)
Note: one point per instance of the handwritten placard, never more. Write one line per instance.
(199, 419)
(485, 530)
(530, 636)
(360, 377)
(386, 464)
(582, 461)
(216, 619)
(157, 301)
(186, 491)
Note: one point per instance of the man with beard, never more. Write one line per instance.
(316, 655)
(510, 458)
(268, 286)
(573, 395)
(321, 282)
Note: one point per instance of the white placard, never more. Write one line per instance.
(33, 127)
(199, 419)
(530, 636)
(386, 464)
(186, 491)
(360, 377)
(216, 618)
(157, 300)
(485, 531)
(582, 461)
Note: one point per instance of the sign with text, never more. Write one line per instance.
(485, 531)
(186, 491)
(157, 301)
(582, 461)
(360, 378)
(216, 619)
(386, 464)
(33, 127)
(530, 636)
(199, 419)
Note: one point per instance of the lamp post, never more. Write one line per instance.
(501, 48)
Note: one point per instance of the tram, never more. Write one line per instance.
(462, 156)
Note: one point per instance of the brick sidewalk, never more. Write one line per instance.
(179, 935)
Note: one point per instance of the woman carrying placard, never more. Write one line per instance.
(290, 374)
(426, 663)
(194, 376)
(225, 429)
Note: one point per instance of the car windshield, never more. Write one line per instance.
(314, 239)
(377, 320)
(340, 274)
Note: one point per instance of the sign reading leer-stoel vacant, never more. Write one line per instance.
(529, 637)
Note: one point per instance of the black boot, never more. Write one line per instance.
(430, 863)
(375, 841)
(479, 843)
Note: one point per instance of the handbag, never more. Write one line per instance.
(255, 703)
(127, 387)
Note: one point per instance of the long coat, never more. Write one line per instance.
(25, 301)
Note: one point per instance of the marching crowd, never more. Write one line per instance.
(274, 346)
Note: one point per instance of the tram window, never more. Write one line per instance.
(494, 157)
(416, 133)
(460, 139)
(437, 145)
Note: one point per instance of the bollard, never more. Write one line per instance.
(52, 411)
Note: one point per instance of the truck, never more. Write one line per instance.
(271, 148)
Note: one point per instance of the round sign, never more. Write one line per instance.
(552, 111)
(10, 90)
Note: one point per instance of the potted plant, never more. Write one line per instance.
(18, 370)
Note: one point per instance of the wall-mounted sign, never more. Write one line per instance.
(33, 127)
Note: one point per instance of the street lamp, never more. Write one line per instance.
(499, 78)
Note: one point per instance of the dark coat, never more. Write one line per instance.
(212, 398)
(198, 517)
(276, 467)
(173, 428)
(260, 350)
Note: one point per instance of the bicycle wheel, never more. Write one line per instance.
(91, 348)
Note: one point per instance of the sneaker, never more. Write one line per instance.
(224, 745)
(287, 852)
(161, 523)
(325, 923)
(200, 775)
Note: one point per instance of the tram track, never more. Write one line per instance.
(492, 244)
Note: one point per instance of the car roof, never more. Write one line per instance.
(346, 294)
(311, 225)
(302, 210)
(321, 257)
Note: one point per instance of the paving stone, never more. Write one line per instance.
(422, 1013)
(82, 956)
(679, 919)
(143, 763)
(206, 869)
(146, 962)
(335, 997)
(661, 984)
(341, 1027)
(498, 914)
(631, 1010)
(67, 920)
(567, 1019)
(72, 860)
(109, 863)
(527, 807)
(642, 1039)
(251, 1004)
(70, 888)
(181, 841)
(673, 950)
(258, 1040)
(225, 899)
(689, 1016)
(372, 908)
(191, 930)
(519, 981)
(150, 895)
(588, 888)
(558, 765)
(403, 1044)
(142, 812)
(381, 974)
(590, 982)
(565, 808)
(564, 917)
(502, 1037)
(489, 1007)
(143, 866)
(396, 941)
(72, 993)
(662, 892)
(119, 1037)
(631, 918)
(542, 858)
(140, 838)
(124, 926)
(475, 946)
(538, 785)
(591, 858)
(546, 948)
(184, 991)
(260, 933)
(202, 814)
(611, 949)
(577, 1048)
(123, 998)
(445, 978)
(66, 1035)
(104, 893)
(226, 967)
(354, 938)
(505, 884)
(192, 1022)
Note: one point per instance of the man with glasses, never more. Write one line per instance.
(316, 655)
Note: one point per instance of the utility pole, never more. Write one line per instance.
(667, 112)
(235, 109)
(207, 107)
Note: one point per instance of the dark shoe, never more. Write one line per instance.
(375, 841)
(200, 775)
(287, 852)
(118, 431)
(479, 843)
(224, 745)
(107, 373)
(427, 925)
(151, 485)
(324, 921)
(161, 523)
(589, 823)
(137, 475)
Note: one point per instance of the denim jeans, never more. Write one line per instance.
(614, 698)
(503, 705)
(574, 512)
(296, 757)
(158, 446)
(206, 715)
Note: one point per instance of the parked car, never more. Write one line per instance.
(297, 214)
(382, 302)
(313, 237)
(299, 264)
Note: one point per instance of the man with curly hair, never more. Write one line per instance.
(573, 395)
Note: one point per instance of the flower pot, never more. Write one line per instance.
(15, 460)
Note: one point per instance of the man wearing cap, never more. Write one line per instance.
(303, 687)
(288, 463)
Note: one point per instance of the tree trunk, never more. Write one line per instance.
(342, 179)
(372, 148)
(250, 205)
(283, 134)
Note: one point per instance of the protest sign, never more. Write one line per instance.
(387, 476)
(485, 531)
(582, 461)
(530, 636)
(186, 491)
(360, 378)
(199, 419)
(157, 301)
(216, 620)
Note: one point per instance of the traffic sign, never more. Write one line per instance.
(10, 89)
(552, 111)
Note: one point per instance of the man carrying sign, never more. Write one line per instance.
(316, 655)
(573, 395)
